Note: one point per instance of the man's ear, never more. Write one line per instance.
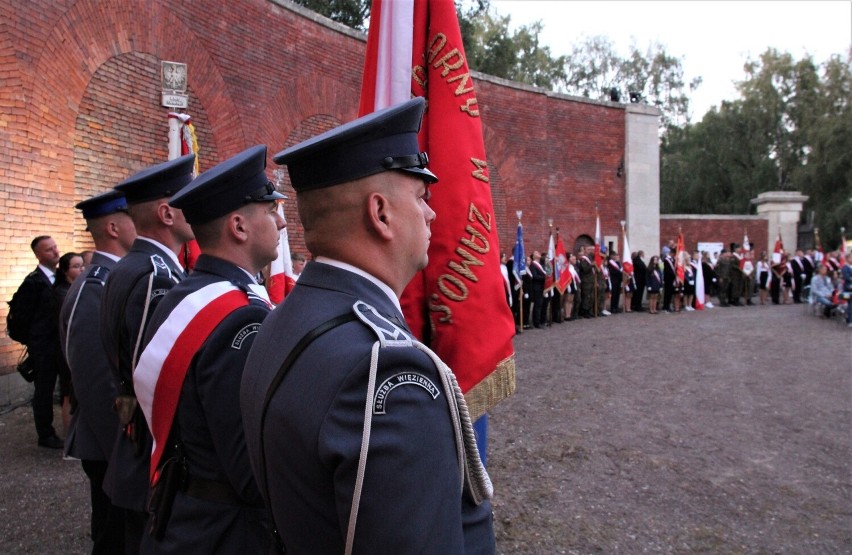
(237, 227)
(112, 229)
(379, 216)
(166, 213)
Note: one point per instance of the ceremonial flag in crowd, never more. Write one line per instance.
(746, 244)
(450, 304)
(779, 248)
(519, 266)
(626, 259)
(183, 141)
(563, 276)
(549, 281)
(699, 286)
(281, 279)
(598, 258)
(680, 258)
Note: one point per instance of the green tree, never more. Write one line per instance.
(595, 70)
(789, 131)
(352, 13)
(491, 48)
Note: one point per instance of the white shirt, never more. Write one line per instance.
(350, 268)
(51, 275)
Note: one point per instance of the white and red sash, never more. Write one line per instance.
(158, 378)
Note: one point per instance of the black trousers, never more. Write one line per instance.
(107, 519)
(42, 404)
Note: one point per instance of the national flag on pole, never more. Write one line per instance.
(699, 285)
(626, 260)
(519, 264)
(680, 258)
(598, 258)
(158, 378)
(183, 141)
(451, 303)
(779, 248)
(564, 276)
(281, 280)
(550, 280)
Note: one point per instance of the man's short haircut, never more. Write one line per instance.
(34, 243)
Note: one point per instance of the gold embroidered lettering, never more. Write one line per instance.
(418, 73)
(479, 173)
(471, 244)
(439, 41)
(458, 291)
(473, 211)
(469, 260)
(447, 318)
(470, 107)
(458, 61)
(460, 90)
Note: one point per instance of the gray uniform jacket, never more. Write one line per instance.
(412, 500)
(91, 434)
(128, 290)
(210, 428)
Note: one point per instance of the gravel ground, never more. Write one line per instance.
(724, 431)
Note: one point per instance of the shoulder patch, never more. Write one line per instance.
(388, 333)
(383, 391)
(245, 332)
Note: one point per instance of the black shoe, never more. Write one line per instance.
(51, 442)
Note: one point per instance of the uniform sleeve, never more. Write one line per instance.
(94, 385)
(218, 372)
(411, 498)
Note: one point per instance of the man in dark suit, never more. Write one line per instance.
(640, 272)
(669, 275)
(539, 315)
(232, 209)
(35, 295)
(91, 434)
(135, 286)
(363, 444)
(798, 266)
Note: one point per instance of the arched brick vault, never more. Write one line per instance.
(284, 124)
(73, 53)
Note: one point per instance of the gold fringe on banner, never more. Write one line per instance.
(493, 389)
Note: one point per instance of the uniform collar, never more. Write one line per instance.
(169, 252)
(371, 278)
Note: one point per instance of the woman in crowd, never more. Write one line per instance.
(777, 276)
(571, 288)
(70, 266)
(655, 283)
(629, 289)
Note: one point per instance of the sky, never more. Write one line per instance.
(713, 39)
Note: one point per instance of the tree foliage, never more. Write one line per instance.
(789, 131)
(352, 13)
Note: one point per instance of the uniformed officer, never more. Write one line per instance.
(135, 286)
(213, 315)
(356, 433)
(91, 434)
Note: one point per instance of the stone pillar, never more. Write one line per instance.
(642, 183)
(783, 210)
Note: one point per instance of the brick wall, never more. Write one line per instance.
(79, 112)
(716, 229)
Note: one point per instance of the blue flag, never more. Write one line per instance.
(520, 263)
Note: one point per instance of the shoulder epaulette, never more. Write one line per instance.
(160, 266)
(388, 333)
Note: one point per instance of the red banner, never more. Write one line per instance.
(453, 305)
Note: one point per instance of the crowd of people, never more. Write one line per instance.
(669, 282)
(191, 438)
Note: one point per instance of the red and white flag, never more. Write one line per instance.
(159, 375)
(680, 259)
(626, 259)
(598, 258)
(281, 280)
(779, 248)
(699, 285)
(450, 304)
(564, 276)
